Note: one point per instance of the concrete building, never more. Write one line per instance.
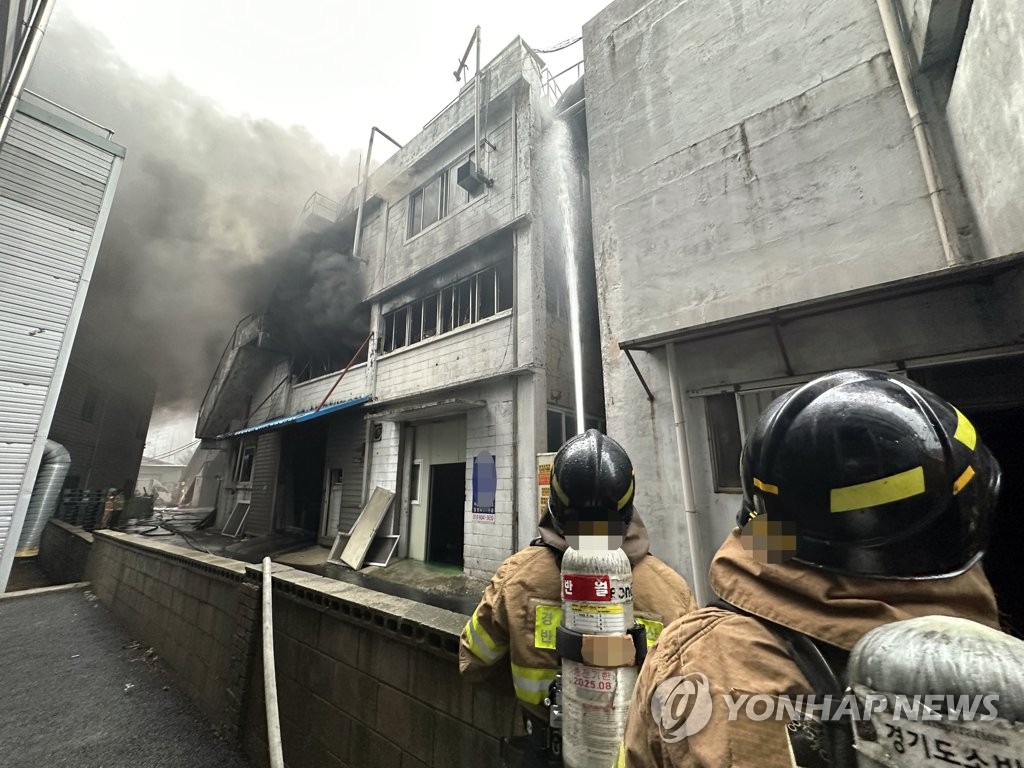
(467, 375)
(58, 172)
(783, 189)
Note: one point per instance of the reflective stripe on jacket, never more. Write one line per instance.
(521, 607)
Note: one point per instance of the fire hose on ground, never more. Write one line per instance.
(270, 673)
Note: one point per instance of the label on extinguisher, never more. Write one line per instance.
(594, 589)
(591, 589)
(594, 678)
(597, 619)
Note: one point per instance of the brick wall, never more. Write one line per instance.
(461, 356)
(364, 679)
(489, 428)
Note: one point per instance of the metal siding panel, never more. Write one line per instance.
(352, 491)
(264, 484)
(37, 138)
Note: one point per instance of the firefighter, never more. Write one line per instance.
(592, 479)
(866, 500)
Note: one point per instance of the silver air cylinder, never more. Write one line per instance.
(597, 599)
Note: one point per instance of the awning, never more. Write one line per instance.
(297, 418)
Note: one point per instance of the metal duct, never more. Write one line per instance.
(54, 468)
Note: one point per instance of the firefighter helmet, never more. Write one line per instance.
(591, 480)
(876, 476)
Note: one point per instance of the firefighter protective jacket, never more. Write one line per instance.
(739, 655)
(522, 606)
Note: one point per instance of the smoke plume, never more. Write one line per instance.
(202, 229)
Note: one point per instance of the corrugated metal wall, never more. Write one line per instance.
(264, 484)
(55, 190)
(345, 450)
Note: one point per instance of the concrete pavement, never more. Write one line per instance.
(76, 691)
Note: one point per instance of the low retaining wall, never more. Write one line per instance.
(364, 679)
(64, 552)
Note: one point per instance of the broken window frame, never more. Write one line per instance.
(245, 462)
(455, 306)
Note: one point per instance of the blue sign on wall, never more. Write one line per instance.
(485, 486)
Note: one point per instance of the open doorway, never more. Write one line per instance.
(991, 395)
(1001, 431)
(446, 513)
(304, 449)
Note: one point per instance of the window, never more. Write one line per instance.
(726, 431)
(437, 198)
(562, 426)
(429, 317)
(92, 398)
(726, 441)
(243, 470)
(414, 483)
(468, 301)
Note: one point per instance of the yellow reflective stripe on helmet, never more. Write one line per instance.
(626, 496)
(558, 489)
(620, 761)
(532, 683)
(766, 487)
(876, 492)
(653, 629)
(545, 623)
(482, 644)
(965, 431)
(964, 479)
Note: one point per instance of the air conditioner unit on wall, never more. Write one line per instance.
(468, 177)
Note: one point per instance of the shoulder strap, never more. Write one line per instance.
(539, 542)
(827, 678)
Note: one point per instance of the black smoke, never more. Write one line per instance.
(202, 230)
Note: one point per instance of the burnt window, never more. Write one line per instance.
(430, 316)
(472, 299)
(485, 291)
(243, 470)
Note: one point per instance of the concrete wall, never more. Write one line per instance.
(761, 151)
(364, 679)
(986, 117)
(64, 552)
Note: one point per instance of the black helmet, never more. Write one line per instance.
(591, 479)
(875, 475)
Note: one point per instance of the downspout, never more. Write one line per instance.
(693, 535)
(53, 469)
(23, 63)
(362, 195)
(900, 59)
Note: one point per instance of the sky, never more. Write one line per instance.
(232, 114)
(335, 68)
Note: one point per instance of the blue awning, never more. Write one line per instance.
(297, 418)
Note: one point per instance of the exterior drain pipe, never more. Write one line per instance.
(53, 469)
(26, 55)
(693, 535)
(900, 59)
(270, 671)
